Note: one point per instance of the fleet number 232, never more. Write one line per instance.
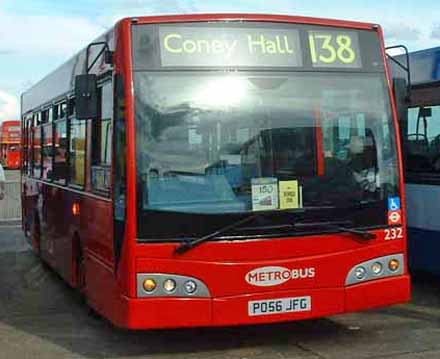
(393, 233)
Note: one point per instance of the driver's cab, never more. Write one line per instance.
(350, 140)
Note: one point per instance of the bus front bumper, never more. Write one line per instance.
(161, 313)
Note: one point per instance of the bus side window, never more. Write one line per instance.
(29, 147)
(47, 151)
(77, 154)
(36, 146)
(26, 126)
(60, 152)
(102, 141)
(120, 187)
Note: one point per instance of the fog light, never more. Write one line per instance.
(149, 285)
(190, 286)
(169, 285)
(360, 272)
(393, 265)
(376, 268)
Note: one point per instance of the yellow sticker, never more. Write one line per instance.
(289, 194)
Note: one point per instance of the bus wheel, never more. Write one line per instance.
(36, 236)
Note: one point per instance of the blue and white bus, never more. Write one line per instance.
(421, 144)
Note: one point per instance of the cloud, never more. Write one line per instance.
(401, 32)
(249, 6)
(435, 34)
(9, 106)
(45, 35)
(149, 7)
(152, 7)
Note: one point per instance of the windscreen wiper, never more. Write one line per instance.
(186, 246)
(339, 226)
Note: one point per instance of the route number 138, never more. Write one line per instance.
(328, 49)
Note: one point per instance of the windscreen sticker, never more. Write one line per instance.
(289, 195)
(394, 203)
(264, 194)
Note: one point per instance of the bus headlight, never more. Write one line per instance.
(360, 273)
(169, 285)
(190, 286)
(149, 285)
(393, 265)
(376, 268)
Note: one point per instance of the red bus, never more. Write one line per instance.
(10, 137)
(216, 170)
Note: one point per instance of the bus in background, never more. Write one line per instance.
(421, 145)
(10, 137)
(214, 170)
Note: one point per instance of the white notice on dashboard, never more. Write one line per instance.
(264, 194)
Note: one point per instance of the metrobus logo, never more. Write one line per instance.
(268, 276)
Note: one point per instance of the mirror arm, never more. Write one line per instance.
(108, 54)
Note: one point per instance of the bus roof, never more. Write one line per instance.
(6, 123)
(251, 17)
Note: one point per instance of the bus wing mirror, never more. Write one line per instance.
(86, 97)
(425, 112)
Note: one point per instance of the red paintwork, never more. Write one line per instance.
(397, 128)
(111, 287)
(10, 138)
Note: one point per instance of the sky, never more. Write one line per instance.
(36, 36)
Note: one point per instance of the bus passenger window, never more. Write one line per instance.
(60, 152)
(29, 147)
(423, 140)
(47, 152)
(63, 110)
(77, 152)
(102, 141)
(36, 145)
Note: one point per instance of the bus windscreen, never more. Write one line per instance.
(221, 144)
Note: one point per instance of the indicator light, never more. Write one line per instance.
(360, 272)
(169, 285)
(75, 209)
(149, 285)
(376, 268)
(190, 286)
(393, 265)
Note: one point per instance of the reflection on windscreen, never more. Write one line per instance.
(235, 143)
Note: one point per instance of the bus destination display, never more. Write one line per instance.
(256, 47)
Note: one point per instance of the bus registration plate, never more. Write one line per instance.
(280, 305)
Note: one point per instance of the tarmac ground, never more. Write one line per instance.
(42, 317)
